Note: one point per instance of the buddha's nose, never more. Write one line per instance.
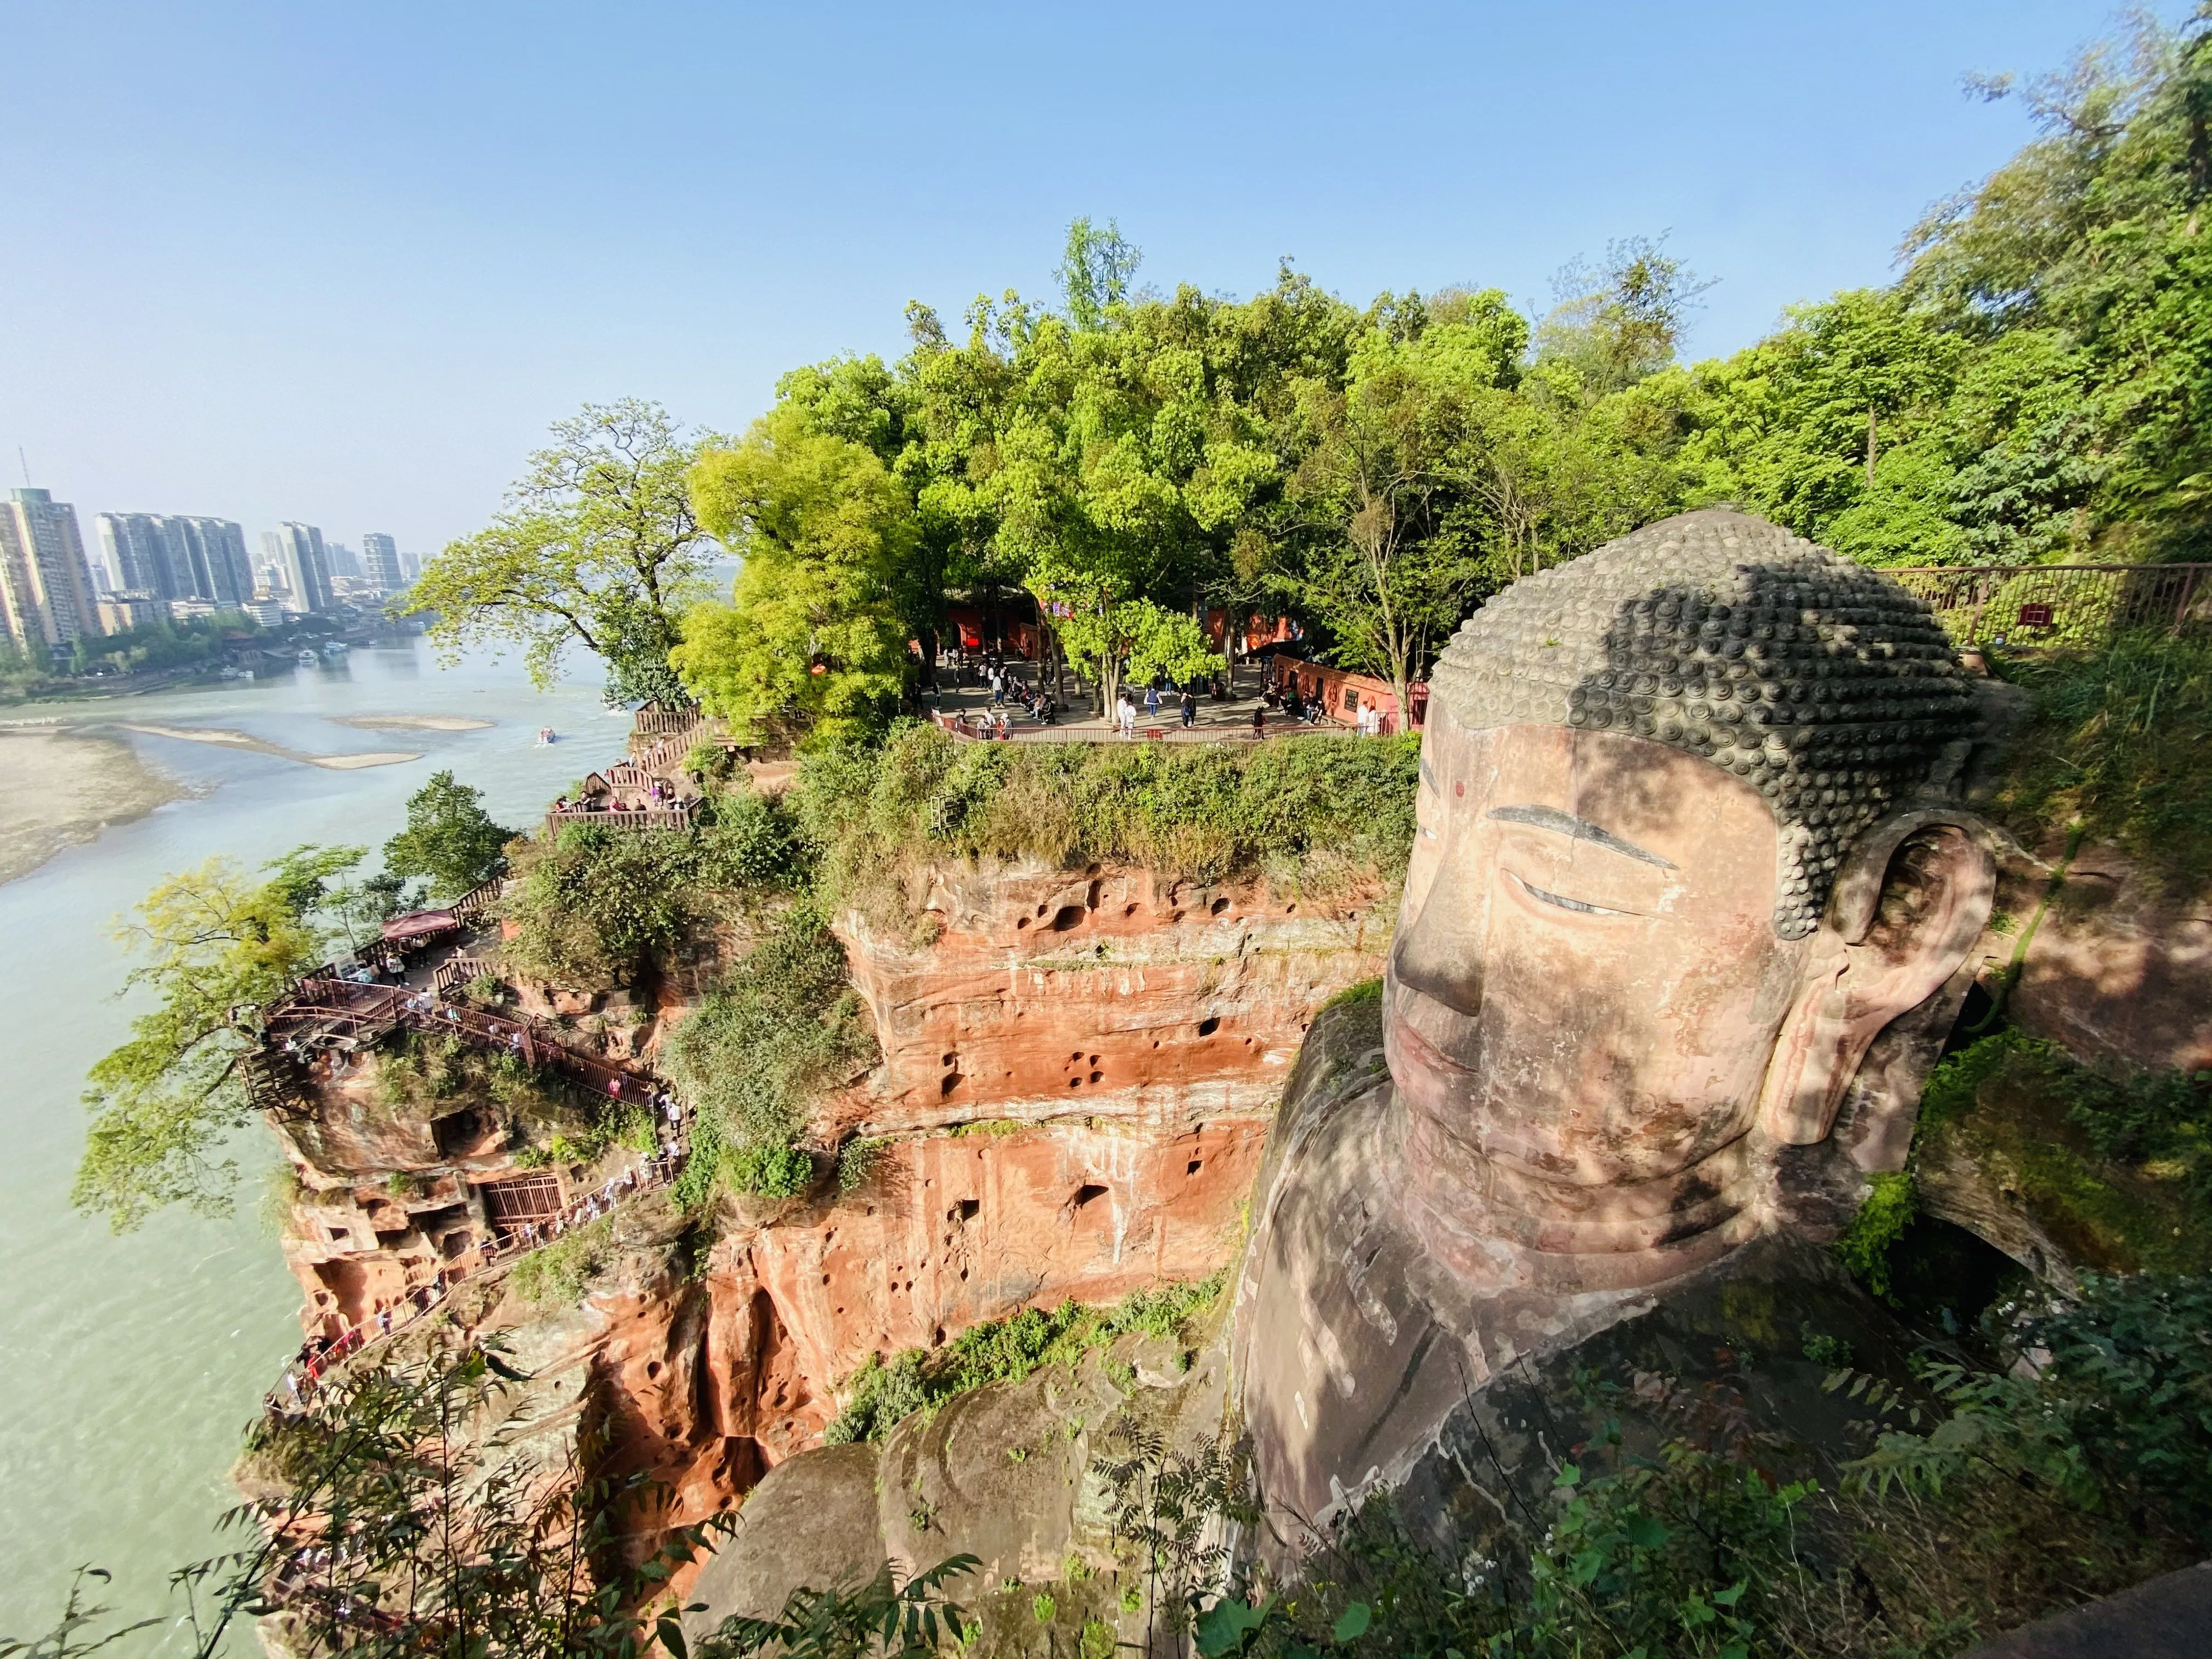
(1441, 955)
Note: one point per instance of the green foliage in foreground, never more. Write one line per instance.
(890, 1616)
(1696, 1548)
(879, 1397)
(2115, 743)
(541, 1564)
(782, 1024)
(1322, 809)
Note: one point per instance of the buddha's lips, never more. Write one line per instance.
(1417, 1048)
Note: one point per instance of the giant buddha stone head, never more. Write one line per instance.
(1679, 864)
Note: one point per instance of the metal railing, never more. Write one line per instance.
(2061, 604)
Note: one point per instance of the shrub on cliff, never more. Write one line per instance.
(594, 906)
(215, 943)
(782, 1024)
(1315, 808)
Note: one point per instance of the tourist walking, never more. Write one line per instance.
(1125, 715)
(1260, 720)
(1189, 708)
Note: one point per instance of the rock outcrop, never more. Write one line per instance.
(1078, 1076)
(1109, 993)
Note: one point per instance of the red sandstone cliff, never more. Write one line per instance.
(1077, 1078)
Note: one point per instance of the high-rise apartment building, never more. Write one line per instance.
(177, 557)
(380, 559)
(411, 565)
(46, 585)
(297, 550)
(341, 560)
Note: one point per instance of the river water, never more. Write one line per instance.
(129, 1366)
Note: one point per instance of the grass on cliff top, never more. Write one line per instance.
(2117, 739)
(2117, 1170)
(878, 1397)
(1314, 810)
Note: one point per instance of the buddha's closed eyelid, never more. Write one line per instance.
(1563, 902)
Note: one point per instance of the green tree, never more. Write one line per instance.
(1111, 637)
(390, 1521)
(1618, 322)
(811, 639)
(597, 546)
(216, 944)
(449, 840)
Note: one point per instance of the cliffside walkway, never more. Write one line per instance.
(326, 1013)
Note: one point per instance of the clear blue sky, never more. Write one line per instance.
(344, 263)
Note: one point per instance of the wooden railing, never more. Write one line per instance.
(2061, 604)
(1278, 726)
(644, 817)
(655, 722)
(455, 972)
(473, 904)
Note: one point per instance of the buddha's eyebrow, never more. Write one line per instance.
(1429, 777)
(1566, 823)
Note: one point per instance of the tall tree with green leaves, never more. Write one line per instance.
(450, 841)
(597, 546)
(216, 942)
(811, 642)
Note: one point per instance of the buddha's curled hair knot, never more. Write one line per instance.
(1820, 682)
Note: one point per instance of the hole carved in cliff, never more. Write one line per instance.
(1070, 916)
(1209, 1025)
(970, 1208)
(1217, 907)
(1087, 1195)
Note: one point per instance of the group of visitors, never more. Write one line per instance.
(1125, 708)
(659, 1168)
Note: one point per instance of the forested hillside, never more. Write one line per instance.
(2031, 389)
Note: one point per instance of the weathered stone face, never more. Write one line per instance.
(1585, 989)
(1652, 995)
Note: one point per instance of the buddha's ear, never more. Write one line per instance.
(1909, 902)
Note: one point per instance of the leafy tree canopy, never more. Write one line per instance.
(597, 546)
(449, 840)
(215, 943)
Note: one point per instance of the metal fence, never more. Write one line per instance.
(2061, 604)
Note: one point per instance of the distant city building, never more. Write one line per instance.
(102, 583)
(380, 561)
(267, 612)
(177, 556)
(297, 550)
(45, 583)
(410, 566)
(340, 559)
(127, 610)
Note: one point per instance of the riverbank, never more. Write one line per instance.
(261, 746)
(59, 788)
